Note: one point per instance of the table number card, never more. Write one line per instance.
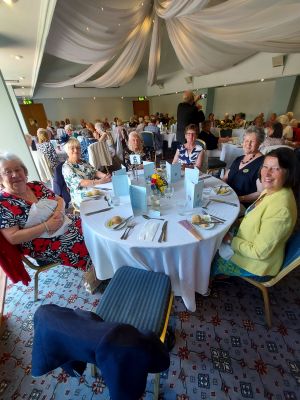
(135, 159)
(191, 174)
(138, 199)
(148, 168)
(173, 172)
(193, 193)
(120, 184)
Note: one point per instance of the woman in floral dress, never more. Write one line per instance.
(46, 147)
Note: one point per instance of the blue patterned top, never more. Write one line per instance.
(186, 158)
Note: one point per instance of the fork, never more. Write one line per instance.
(129, 227)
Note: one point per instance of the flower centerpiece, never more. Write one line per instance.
(158, 183)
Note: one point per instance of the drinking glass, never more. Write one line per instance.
(169, 191)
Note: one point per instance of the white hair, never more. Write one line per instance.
(4, 157)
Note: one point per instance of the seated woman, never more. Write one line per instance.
(274, 132)
(38, 240)
(191, 153)
(135, 146)
(243, 173)
(80, 175)
(209, 138)
(258, 246)
(46, 147)
(86, 141)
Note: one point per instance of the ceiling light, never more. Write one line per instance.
(23, 87)
(9, 2)
(21, 78)
(122, 97)
(62, 98)
(94, 98)
(87, 28)
(18, 57)
(262, 79)
(102, 8)
(224, 85)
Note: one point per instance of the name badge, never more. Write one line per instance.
(245, 171)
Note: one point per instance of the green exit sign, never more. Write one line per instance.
(141, 98)
(27, 101)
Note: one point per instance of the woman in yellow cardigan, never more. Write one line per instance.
(257, 249)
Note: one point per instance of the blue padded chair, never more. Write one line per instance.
(140, 298)
(149, 142)
(290, 262)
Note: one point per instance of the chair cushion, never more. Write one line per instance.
(136, 297)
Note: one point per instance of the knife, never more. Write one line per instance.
(99, 211)
(124, 222)
(163, 235)
(224, 202)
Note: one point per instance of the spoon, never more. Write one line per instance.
(147, 217)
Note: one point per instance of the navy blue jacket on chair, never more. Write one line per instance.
(59, 185)
(71, 338)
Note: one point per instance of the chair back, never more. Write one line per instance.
(292, 250)
(267, 149)
(225, 132)
(99, 155)
(148, 139)
(59, 185)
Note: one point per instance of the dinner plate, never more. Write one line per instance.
(207, 218)
(222, 191)
(91, 194)
(108, 226)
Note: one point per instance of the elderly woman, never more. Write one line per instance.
(46, 236)
(274, 132)
(135, 146)
(257, 249)
(46, 147)
(243, 173)
(287, 129)
(80, 175)
(191, 153)
(86, 141)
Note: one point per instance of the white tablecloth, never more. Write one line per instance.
(169, 137)
(185, 259)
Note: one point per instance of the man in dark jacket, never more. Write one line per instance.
(188, 113)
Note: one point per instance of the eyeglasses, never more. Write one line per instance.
(11, 172)
(272, 169)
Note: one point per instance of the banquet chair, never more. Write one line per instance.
(99, 155)
(149, 142)
(3, 282)
(267, 149)
(212, 165)
(290, 262)
(38, 268)
(140, 298)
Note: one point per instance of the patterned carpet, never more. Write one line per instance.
(223, 350)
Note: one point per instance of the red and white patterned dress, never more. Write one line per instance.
(69, 248)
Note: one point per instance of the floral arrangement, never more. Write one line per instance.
(158, 183)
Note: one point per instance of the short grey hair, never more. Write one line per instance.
(70, 142)
(132, 135)
(99, 127)
(69, 127)
(4, 157)
(259, 132)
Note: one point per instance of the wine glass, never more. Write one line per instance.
(169, 191)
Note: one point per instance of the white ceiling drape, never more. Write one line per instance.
(205, 38)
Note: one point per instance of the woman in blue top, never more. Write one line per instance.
(191, 153)
(243, 173)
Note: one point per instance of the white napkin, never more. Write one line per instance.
(39, 212)
(226, 251)
(148, 231)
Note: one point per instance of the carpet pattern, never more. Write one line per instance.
(224, 350)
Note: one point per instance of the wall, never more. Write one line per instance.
(251, 98)
(12, 138)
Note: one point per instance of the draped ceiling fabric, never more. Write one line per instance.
(206, 37)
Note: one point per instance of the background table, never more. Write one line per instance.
(185, 259)
(230, 152)
(169, 137)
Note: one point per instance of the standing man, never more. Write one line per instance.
(188, 113)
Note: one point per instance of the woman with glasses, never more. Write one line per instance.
(33, 218)
(257, 249)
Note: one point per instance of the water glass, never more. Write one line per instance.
(115, 200)
(181, 206)
(169, 191)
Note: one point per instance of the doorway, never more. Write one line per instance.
(34, 116)
(140, 108)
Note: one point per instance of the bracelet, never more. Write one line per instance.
(46, 227)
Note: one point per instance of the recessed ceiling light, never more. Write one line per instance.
(87, 28)
(262, 79)
(94, 98)
(18, 57)
(62, 98)
(23, 87)
(224, 84)
(122, 97)
(21, 78)
(102, 8)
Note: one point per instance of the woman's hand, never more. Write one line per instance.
(55, 222)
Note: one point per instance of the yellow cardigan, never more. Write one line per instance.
(260, 241)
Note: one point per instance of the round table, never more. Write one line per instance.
(184, 258)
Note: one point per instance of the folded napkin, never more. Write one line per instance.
(39, 212)
(148, 231)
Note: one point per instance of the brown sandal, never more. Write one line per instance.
(91, 282)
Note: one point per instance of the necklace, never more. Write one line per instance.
(246, 162)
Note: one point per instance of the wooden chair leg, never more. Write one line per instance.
(265, 294)
(3, 282)
(156, 387)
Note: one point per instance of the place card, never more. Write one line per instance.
(173, 172)
(120, 184)
(193, 193)
(135, 159)
(191, 174)
(138, 199)
(121, 171)
(149, 167)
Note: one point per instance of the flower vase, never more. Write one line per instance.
(155, 200)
